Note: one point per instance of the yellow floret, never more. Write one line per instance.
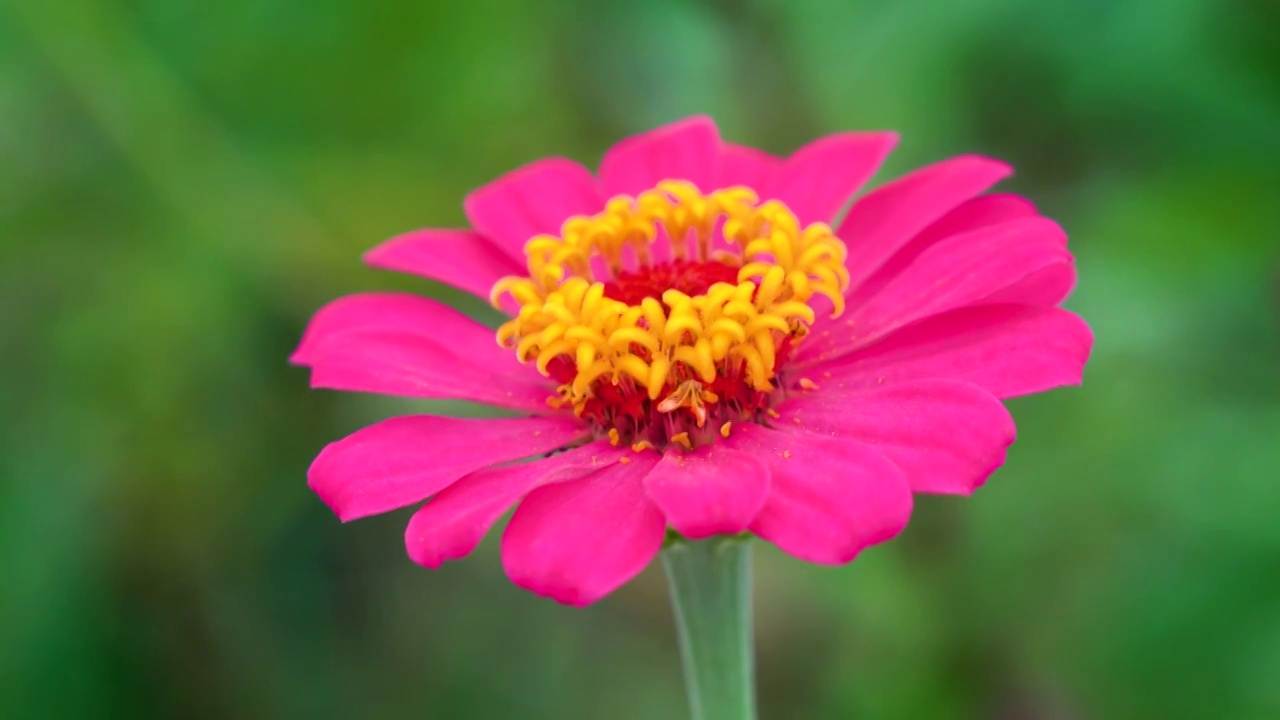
(660, 344)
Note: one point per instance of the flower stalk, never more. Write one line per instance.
(710, 583)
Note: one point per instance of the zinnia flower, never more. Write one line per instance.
(691, 346)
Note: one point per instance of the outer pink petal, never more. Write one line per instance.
(819, 178)
(393, 363)
(712, 490)
(458, 258)
(688, 149)
(879, 224)
(576, 542)
(401, 313)
(1045, 287)
(965, 269)
(829, 497)
(962, 270)
(405, 460)
(532, 200)
(747, 167)
(946, 436)
(451, 524)
(1007, 350)
(399, 344)
(980, 212)
(368, 311)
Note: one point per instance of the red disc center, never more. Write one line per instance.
(691, 277)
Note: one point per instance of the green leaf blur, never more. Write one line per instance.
(182, 184)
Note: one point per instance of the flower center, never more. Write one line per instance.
(691, 277)
(666, 317)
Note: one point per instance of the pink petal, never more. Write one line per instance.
(393, 363)
(1007, 350)
(366, 311)
(961, 270)
(712, 490)
(688, 149)
(747, 167)
(819, 178)
(879, 224)
(1045, 287)
(458, 258)
(829, 498)
(451, 524)
(576, 542)
(946, 436)
(405, 460)
(980, 212)
(398, 344)
(533, 200)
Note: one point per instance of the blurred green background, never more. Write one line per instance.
(183, 183)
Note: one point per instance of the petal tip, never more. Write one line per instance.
(557, 166)
(319, 481)
(995, 166)
(701, 122)
(883, 140)
(564, 593)
(1080, 349)
(376, 255)
(382, 256)
(423, 553)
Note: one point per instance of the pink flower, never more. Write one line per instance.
(691, 346)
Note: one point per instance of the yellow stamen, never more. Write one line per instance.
(682, 339)
(725, 428)
(687, 394)
(807, 384)
(614, 437)
(682, 439)
(641, 446)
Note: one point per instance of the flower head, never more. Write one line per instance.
(691, 344)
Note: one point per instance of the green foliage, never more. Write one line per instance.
(182, 184)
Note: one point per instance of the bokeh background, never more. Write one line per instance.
(183, 183)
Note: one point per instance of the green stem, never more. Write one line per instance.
(711, 593)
